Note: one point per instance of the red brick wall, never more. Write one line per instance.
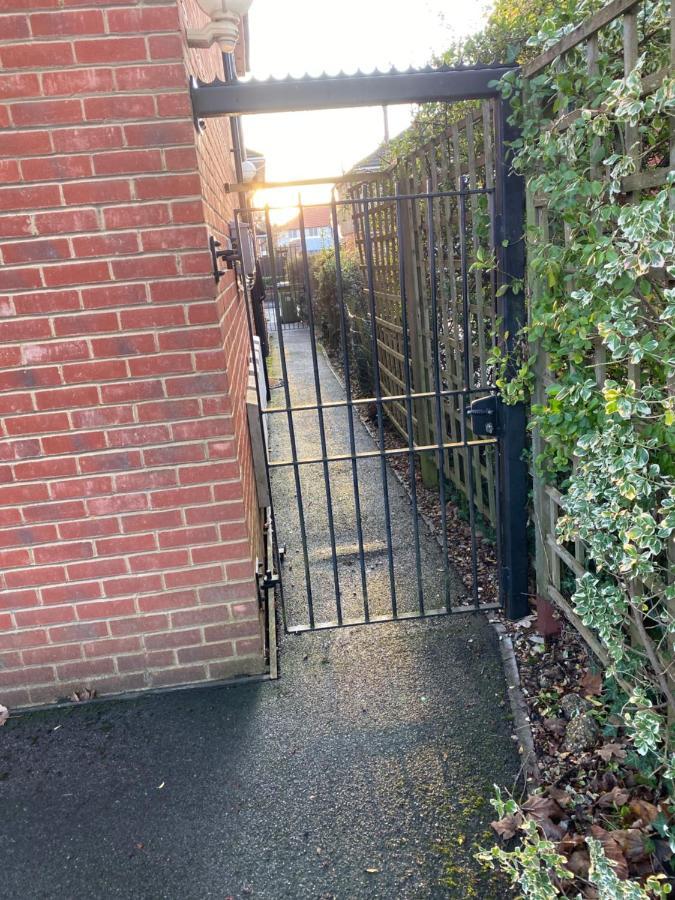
(128, 517)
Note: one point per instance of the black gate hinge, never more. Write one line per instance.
(485, 418)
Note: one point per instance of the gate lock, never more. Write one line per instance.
(485, 416)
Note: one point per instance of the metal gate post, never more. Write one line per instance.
(513, 474)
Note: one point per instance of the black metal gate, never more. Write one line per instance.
(349, 551)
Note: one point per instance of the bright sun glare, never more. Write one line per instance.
(313, 36)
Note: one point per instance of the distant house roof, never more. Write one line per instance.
(315, 217)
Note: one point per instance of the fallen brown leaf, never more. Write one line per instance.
(644, 810)
(591, 683)
(611, 751)
(542, 808)
(507, 827)
(612, 850)
(579, 863)
(616, 797)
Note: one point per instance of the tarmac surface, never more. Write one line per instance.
(364, 772)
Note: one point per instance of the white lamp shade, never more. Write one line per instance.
(248, 170)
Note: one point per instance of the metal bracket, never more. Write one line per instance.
(484, 414)
(229, 255)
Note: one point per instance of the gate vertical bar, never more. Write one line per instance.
(350, 407)
(467, 350)
(319, 401)
(510, 245)
(438, 387)
(408, 402)
(291, 428)
(378, 400)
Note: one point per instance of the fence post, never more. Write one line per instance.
(513, 476)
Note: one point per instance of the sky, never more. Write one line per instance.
(312, 36)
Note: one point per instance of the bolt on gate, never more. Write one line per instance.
(352, 558)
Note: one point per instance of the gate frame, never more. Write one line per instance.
(448, 84)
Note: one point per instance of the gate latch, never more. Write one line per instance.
(485, 416)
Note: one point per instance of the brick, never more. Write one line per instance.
(53, 352)
(105, 609)
(139, 625)
(111, 646)
(126, 345)
(127, 49)
(80, 487)
(54, 511)
(47, 112)
(206, 652)
(137, 215)
(113, 295)
(71, 593)
(165, 47)
(17, 226)
(56, 168)
(145, 480)
(174, 238)
(145, 267)
(161, 365)
(180, 159)
(123, 437)
(78, 81)
(177, 291)
(173, 639)
(51, 654)
(13, 28)
(22, 198)
(83, 324)
(150, 78)
(9, 171)
(131, 390)
(223, 593)
(167, 601)
(110, 462)
(193, 576)
(127, 162)
(132, 584)
(248, 647)
(153, 19)
(27, 536)
(19, 279)
(42, 302)
(17, 143)
(197, 384)
(96, 192)
(167, 187)
(87, 669)
(37, 424)
(67, 23)
(174, 105)
(110, 506)
(127, 544)
(119, 106)
(67, 398)
(63, 552)
(76, 273)
(45, 468)
(20, 84)
(142, 661)
(32, 251)
(80, 140)
(24, 493)
(102, 417)
(168, 410)
(190, 339)
(108, 370)
(66, 221)
(18, 640)
(88, 528)
(105, 245)
(81, 631)
(181, 497)
(159, 134)
(175, 455)
(36, 55)
(184, 537)
(192, 431)
(34, 577)
(44, 615)
(18, 677)
(14, 559)
(74, 442)
(187, 212)
(151, 521)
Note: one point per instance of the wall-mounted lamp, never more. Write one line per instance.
(223, 29)
(248, 170)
